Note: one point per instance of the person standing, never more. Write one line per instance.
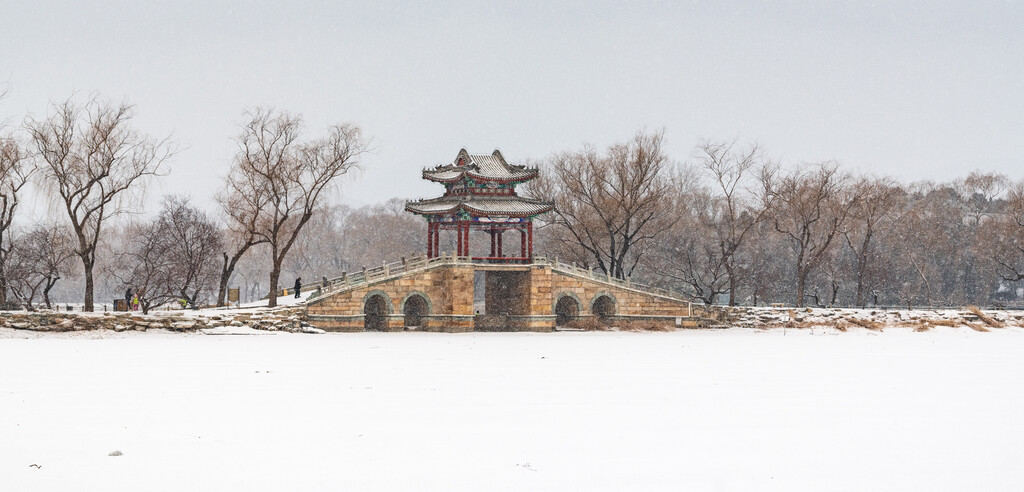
(298, 286)
(128, 299)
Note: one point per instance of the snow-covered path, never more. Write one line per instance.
(689, 410)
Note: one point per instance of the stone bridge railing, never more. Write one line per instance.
(588, 273)
(387, 270)
(407, 265)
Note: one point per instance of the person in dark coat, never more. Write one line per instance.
(298, 286)
(128, 299)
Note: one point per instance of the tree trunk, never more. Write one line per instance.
(732, 285)
(862, 263)
(801, 285)
(46, 291)
(192, 300)
(226, 271)
(88, 307)
(3, 289)
(860, 289)
(275, 275)
(222, 288)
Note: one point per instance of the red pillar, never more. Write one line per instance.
(458, 248)
(501, 233)
(522, 232)
(493, 242)
(437, 240)
(430, 239)
(529, 240)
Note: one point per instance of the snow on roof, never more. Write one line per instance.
(480, 166)
(512, 205)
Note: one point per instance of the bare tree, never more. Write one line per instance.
(768, 259)
(611, 205)
(688, 255)
(293, 176)
(142, 262)
(878, 200)
(980, 192)
(738, 205)
(371, 232)
(172, 257)
(37, 260)
(243, 203)
(811, 206)
(22, 278)
(322, 251)
(1004, 238)
(52, 248)
(194, 244)
(95, 163)
(15, 170)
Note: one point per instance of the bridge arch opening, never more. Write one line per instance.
(567, 309)
(415, 307)
(603, 307)
(376, 309)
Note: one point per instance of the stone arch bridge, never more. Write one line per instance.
(443, 294)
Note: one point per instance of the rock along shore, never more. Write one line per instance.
(279, 319)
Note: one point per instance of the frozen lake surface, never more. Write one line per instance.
(733, 409)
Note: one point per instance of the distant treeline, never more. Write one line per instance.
(731, 225)
(728, 225)
(88, 158)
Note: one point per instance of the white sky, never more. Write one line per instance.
(917, 90)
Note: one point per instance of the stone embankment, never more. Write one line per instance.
(873, 319)
(293, 319)
(282, 319)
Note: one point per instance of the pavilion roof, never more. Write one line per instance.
(480, 206)
(485, 167)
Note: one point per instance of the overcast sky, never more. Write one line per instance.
(917, 90)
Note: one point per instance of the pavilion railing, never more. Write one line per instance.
(421, 262)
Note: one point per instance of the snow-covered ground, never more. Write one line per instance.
(736, 409)
(289, 300)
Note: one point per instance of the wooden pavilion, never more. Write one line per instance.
(480, 193)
